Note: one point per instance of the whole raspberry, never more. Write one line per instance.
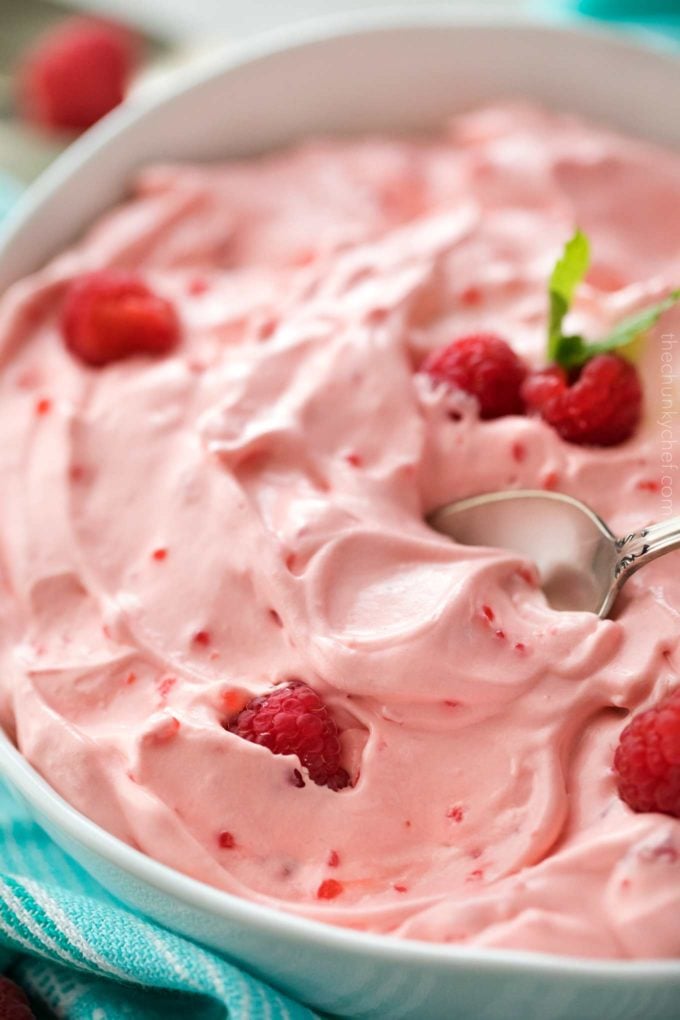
(600, 406)
(484, 365)
(77, 73)
(647, 759)
(13, 1003)
(111, 315)
(292, 719)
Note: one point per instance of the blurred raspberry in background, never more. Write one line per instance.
(76, 73)
(13, 1002)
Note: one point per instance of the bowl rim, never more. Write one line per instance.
(49, 804)
(308, 32)
(26, 780)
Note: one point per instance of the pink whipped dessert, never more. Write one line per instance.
(240, 511)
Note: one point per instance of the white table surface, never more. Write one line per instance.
(185, 19)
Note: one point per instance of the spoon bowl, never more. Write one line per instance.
(582, 565)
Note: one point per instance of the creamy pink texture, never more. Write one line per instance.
(283, 459)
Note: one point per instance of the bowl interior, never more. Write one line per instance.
(377, 73)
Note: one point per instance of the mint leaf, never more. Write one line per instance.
(572, 351)
(639, 322)
(566, 276)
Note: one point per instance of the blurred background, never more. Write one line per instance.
(65, 63)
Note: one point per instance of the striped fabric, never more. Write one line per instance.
(81, 955)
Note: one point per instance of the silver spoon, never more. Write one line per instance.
(582, 566)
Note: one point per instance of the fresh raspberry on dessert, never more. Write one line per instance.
(13, 1002)
(484, 365)
(77, 73)
(292, 719)
(600, 406)
(111, 315)
(647, 759)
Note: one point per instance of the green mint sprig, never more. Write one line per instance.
(571, 351)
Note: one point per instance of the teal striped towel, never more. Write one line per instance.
(661, 17)
(82, 955)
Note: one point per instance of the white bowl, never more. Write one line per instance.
(403, 72)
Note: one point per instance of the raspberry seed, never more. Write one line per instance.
(329, 889)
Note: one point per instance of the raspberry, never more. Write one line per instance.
(76, 74)
(292, 719)
(111, 315)
(13, 1003)
(600, 406)
(647, 759)
(484, 365)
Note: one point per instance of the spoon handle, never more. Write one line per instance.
(641, 547)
